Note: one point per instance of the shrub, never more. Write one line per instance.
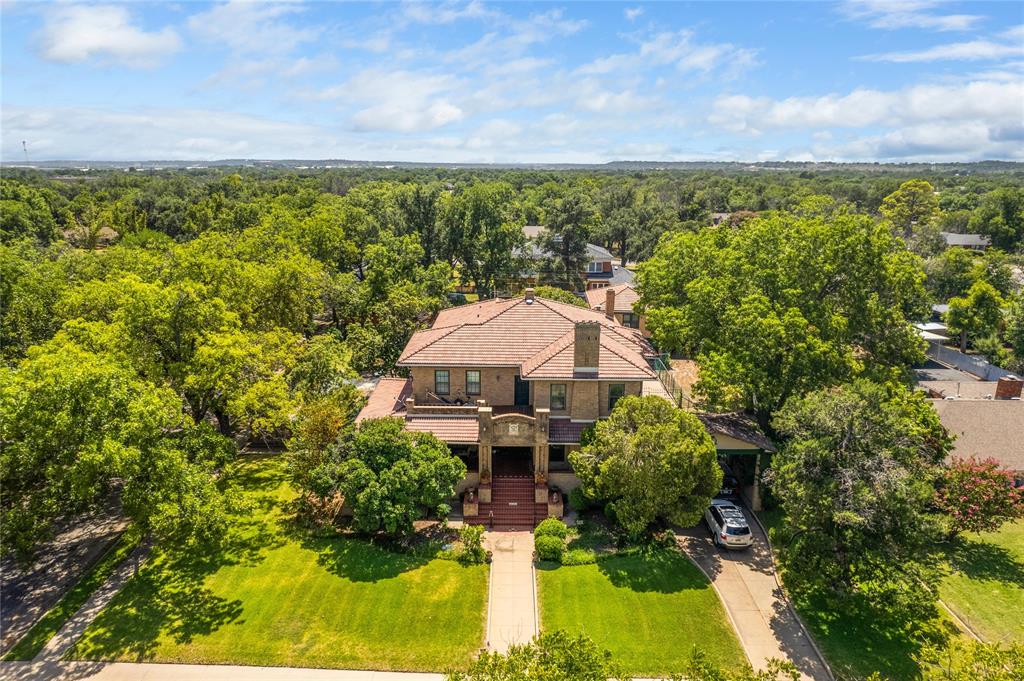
(579, 557)
(549, 548)
(551, 527)
(473, 551)
(579, 501)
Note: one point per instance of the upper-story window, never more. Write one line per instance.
(595, 266)
(472, 382)
(558, 396)
(631, 320)
(442, 384)
(615, 392)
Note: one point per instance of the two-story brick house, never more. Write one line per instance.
(510, 384)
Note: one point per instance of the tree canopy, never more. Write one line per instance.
(649, 461)
(782, 305)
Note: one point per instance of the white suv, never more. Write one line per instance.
(728, 525)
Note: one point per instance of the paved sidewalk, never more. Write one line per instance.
(745, 581)
(126, 671)
(73, 629)
(512, 599)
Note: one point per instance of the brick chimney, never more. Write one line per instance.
(609, 303)
(586, 348)
(1009, 387)
(530, 294)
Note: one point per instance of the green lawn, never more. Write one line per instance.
(648, 609)
(852, 637)
(985, 586)
(274, 595)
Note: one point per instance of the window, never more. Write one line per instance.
(441, 382)
(615, 391)
(558, 396)
(631, 320)
(472, 382)
(595, 266)
(557, 460)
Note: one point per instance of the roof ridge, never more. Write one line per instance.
(563, 341)
(619, 351)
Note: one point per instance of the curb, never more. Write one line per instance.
(960, 622)
(789, 603)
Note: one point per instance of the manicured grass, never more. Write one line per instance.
(648, 609)
(985, 586)
(275, 595)
(50, 623)
(852, 637)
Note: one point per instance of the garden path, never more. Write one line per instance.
(512, 595)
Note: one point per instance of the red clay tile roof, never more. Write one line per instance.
(566, 431)
(614, 361)
(387, 399)
(508, 333)
(625, 297)
(461, 429)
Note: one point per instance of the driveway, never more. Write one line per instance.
(745, 581)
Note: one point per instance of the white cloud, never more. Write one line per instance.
(251, 27)
(632, 13)
(996, 102)
(73, 33)
(966, 51)
(446, 12)
(399, 100)
(153, 133)
(680, 49)
(897, 14)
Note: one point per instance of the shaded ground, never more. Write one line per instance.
(648, 609)
(745, 580)
(985, 585)
(276, 595)
(854, 639)
(26, 593)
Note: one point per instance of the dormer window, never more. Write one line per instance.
(595, 267)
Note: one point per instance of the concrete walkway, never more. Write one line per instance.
(125, 671)
(512, 597)
(745, 581)
(73, 629)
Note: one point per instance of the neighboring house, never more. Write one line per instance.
(618, 301)
(602, 270)
(974, 242)
(511, 384)
(987, 418)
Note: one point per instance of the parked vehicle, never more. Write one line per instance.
(728, 525)
(730, 483)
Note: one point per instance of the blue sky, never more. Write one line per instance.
(901, 80)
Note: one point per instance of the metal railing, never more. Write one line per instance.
(668, 381)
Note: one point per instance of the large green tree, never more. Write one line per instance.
(571, 219)
(78, 427)
(911, 207)
(975, 315)
(649, 461)
(391, 477)
(856, 481)
(782, 305)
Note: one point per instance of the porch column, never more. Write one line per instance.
(755, 501)
(485, 438)
(540, 443)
